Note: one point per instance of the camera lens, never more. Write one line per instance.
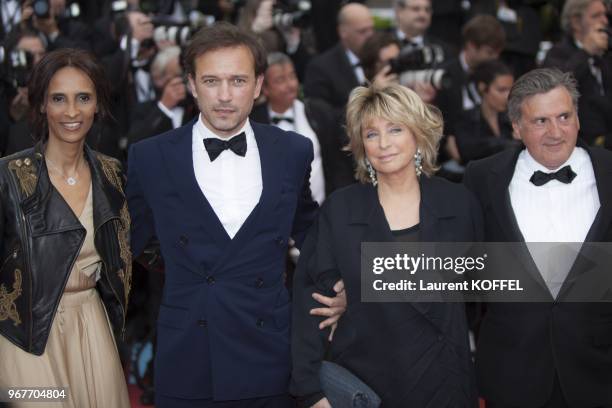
(41, 8)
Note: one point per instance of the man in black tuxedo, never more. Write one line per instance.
(553, 354)
(413, 19)
(483, 40)
(332, 75)
(171, 108)
(331, 167)
(584, 52)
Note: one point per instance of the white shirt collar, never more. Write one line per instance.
(418, 40)
(353, 59)
(206, 133)
(576, 160)
(288, 113)
(463, 62)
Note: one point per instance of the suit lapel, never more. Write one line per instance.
(603, 172)
(178, 158)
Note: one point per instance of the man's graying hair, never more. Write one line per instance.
(539, 81)
(278, 58)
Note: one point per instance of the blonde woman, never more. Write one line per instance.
(411, 355)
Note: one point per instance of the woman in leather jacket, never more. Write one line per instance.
(65, 271)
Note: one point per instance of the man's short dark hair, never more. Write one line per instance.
(223, 35)
(484, 30)
(539, 81)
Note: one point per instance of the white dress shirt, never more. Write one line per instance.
(354, 61)
(470, 96)
(300, 125)
(554, 212)
(11, 14)
(232, 184)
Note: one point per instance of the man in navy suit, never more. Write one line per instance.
(223, 196)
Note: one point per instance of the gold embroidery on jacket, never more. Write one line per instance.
(26, 174)
(8, 308)
(112, 171)
(123, 235)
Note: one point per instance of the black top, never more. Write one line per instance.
(410, 234)
(411, 354)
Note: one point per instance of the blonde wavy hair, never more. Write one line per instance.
(399, 105)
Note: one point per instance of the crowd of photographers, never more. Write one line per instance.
(432, 47)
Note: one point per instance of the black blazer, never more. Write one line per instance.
(148, 120)
(522, 345)
(450, 100)
(475, 138)
(337, 164)
(330, 77)
(411, 354)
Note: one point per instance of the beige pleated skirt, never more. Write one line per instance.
(81, 354)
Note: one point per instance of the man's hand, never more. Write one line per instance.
(19, 104)
(174, 92)
(263, 19)
(384, 77)
(426, 91)
(336, 306)
(322, 403)
(142, 28)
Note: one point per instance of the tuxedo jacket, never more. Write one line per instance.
(450, 100)
(411, 354)
(593, 107)
(337, 164)
(331, 78)
(522, 346)
(148, 120)
(223, 325)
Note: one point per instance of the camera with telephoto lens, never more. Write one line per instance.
(16, 66)
(291, 13)
(42, 9)
(420, 65)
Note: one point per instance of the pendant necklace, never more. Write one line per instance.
(70, 180)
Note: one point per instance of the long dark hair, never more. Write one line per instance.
(44, 71)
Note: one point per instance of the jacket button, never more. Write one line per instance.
(259, 283)
(202, 323)
(27, 161)
(18, 163)
(210, 280)
(183, 240)
(260, 323)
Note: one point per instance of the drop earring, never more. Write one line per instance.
(418, 162)
(371, 172)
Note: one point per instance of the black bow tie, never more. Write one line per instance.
(236, 144)
(277, 119)
(564, 175)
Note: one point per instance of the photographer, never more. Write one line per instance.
(281, 25)
(585, 52)
(23, 49)
(128, 66)
(172, 108)
(58, 22)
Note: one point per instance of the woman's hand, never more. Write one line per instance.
(322, 403)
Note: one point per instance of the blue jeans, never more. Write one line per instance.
(344, 390)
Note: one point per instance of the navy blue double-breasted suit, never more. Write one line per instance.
(223, 326)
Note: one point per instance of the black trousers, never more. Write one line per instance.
(277, 401)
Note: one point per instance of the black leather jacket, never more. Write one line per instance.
(42, 237)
